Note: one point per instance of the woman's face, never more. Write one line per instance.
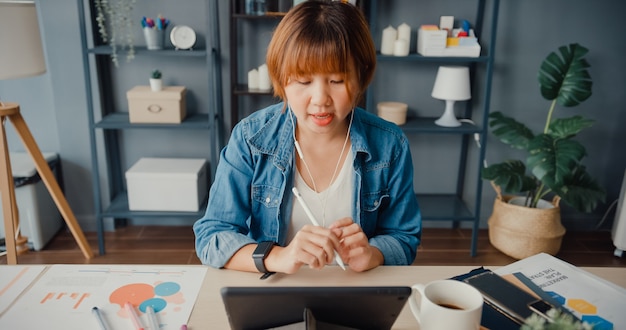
(321, 101)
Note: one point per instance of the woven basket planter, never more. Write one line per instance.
(521, 232)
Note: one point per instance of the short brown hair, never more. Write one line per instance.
(321, 37)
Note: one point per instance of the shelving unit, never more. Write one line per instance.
(238, 88)
(109, 126)
(451, 206)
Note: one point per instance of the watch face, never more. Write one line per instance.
(183, 37)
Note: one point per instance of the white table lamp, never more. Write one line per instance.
(452, 84)
(22, 56)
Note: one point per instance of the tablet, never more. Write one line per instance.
(373, 307)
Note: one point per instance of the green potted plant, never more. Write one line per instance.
(554, 162)
(156, 84)
(560, 321)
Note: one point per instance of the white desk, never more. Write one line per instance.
(209, 312)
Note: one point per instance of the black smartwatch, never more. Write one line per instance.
(259, 255)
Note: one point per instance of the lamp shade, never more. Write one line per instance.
(21, 52)
(452, 83)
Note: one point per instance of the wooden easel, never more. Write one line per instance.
(9, 204)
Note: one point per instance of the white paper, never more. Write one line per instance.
(65, 294)
(587, 296)
(14, 280)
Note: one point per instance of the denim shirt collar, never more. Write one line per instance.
(276, 137)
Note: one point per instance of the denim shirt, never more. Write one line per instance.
(250, 199)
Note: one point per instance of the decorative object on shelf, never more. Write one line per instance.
(394, 112)
(183, 37)
(167, 106)
(256, 7)
(115, 26)
(554, 158)
(265, 84)
(390, 34)
(396, 42)
(402, 44)
(22, 56)
(444, 40)
(253, 79)
(259, 79)
(156, 83)
(154, 31)
(451, 84)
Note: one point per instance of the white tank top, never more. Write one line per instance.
(337, 199)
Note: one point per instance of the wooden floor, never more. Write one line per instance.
(175, 245)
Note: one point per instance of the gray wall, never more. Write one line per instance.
(54, 104)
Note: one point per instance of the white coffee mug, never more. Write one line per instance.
(447, 304)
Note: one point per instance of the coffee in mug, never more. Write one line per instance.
(446, 304)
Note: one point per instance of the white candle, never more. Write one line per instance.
(401, 48)
(264, 78)
(389, 37)
(404, 32)
(253, 79)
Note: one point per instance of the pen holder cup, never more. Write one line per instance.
(154, 38)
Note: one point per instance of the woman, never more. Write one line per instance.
(352, 169)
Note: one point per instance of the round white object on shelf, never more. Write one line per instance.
(394, 112)
(183, 37)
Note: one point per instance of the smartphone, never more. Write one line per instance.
(541, 307)
(506, 297)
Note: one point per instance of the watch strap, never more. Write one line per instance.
(260, 253)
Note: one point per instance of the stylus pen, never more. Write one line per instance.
(314, 222)
(96, 312)
(152, 318)
(133, 316)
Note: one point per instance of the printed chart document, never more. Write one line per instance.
(65, 295)
(588, 297)
(14, 280)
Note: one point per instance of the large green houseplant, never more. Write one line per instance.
(553, 164)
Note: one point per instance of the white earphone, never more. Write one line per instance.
(295, 141)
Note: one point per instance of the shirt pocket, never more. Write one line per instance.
(373, 204)
(265, 207)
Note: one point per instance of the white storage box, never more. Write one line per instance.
(436, 43)
(166, 106)
(167, 184)
(40, 219)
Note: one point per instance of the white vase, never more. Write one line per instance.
(156, 84)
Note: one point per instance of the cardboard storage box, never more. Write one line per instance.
(40, 219)
(167, 184)
(167, 106)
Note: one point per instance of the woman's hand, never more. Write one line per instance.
(355, 249)
(312, 245)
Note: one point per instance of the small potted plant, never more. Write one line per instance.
(156, 84)
(553, 166)
(560, 321)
